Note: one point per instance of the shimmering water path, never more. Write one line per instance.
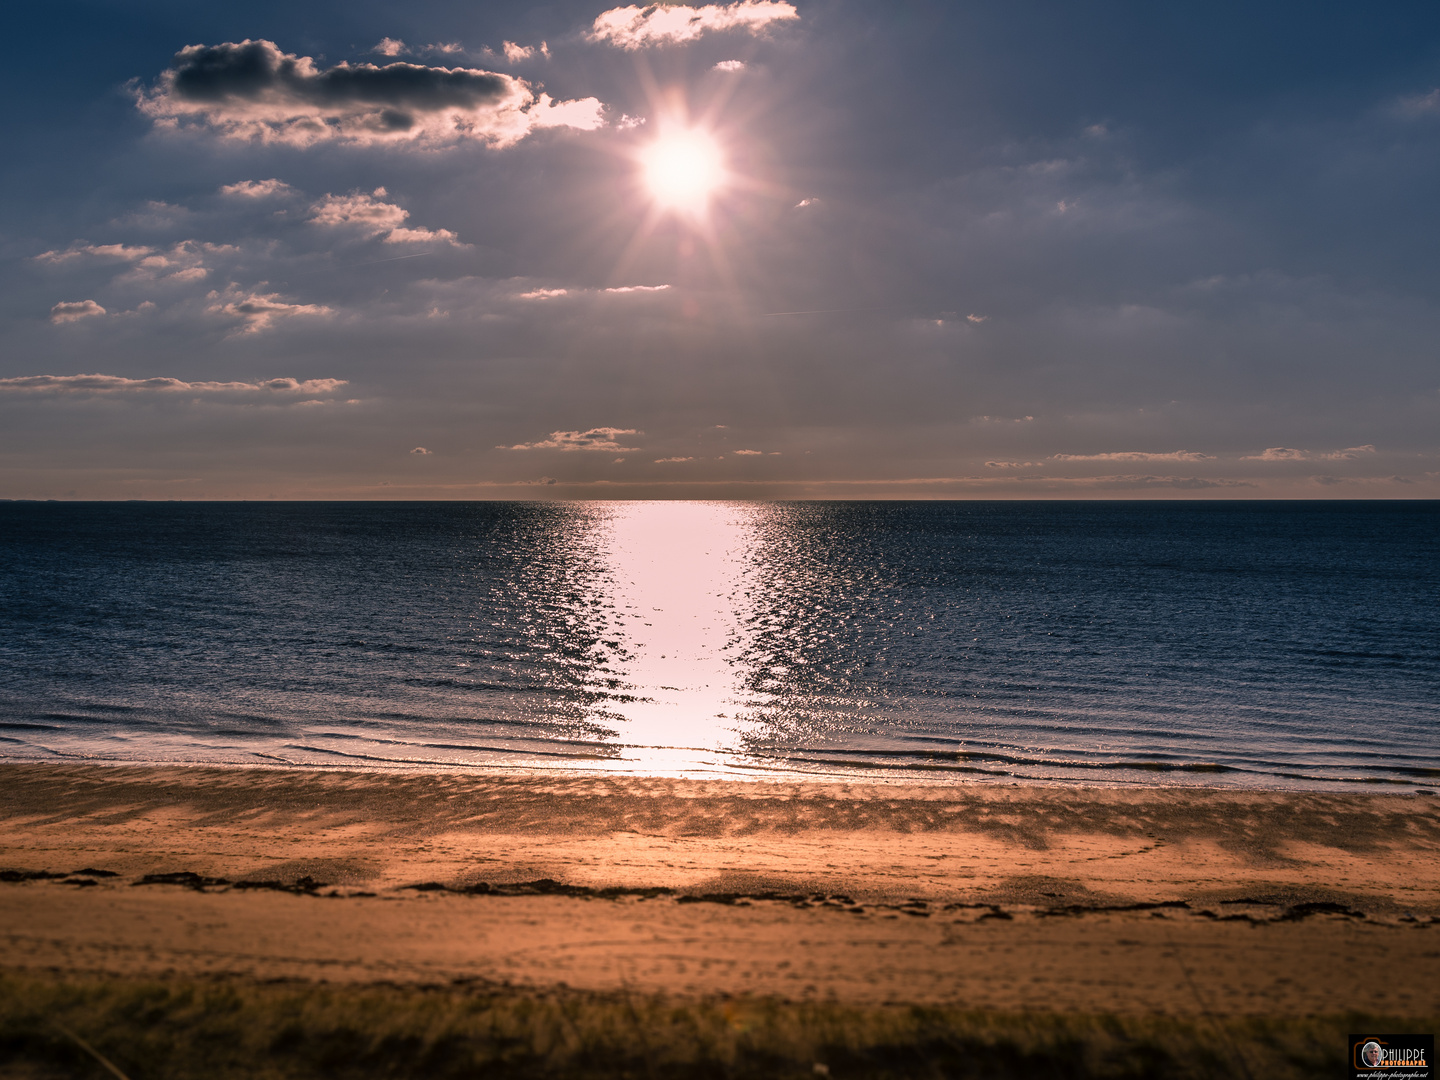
(1275, 644)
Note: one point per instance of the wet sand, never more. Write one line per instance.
(1133, 901)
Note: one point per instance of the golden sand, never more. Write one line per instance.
(1129, 901)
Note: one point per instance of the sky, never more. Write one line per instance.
(764, 249)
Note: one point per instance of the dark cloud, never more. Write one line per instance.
(253, 90)
(253, 70)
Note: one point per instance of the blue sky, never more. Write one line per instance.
(993, 250)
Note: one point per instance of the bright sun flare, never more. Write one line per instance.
(682, 170)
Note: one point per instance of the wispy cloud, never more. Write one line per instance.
(1137, 455)
(635, 27)
(389, 46)
(1421, 104)
(602, 438)
(124, 252)
(667, 460)
(252, 90)
(89, 385)
(1179, 483)
(1286, 453)
(556, 293)
(68, 311)
(422, 451)
(1279, 453)
(729, 65)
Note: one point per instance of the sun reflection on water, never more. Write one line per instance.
(675, 572)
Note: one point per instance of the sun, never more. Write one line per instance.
(682, 170)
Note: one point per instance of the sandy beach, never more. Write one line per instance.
(1123, 901)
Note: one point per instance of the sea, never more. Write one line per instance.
(1219, 644)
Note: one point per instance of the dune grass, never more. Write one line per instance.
(175, 1029)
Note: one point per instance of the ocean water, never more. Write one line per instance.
(1221, 644)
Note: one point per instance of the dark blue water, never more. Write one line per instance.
(1271, 644)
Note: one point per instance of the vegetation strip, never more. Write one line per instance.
(178, 1029)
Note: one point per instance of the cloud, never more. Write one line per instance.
(180, 263)
(665, 460)
(1181, 483)
(74, 311)
(1013, 464)
(103, 251)
(602, 438)
(729, 65)
(157, 214)
(90, 385)
(1279, 453)
(1286, 453)
(256, 189)
(748, 453)
(1137, 455)
(1421, 104)
(251, 90)
(423, 236)
(515, 53)
(366, 212)
(258, 311)
(371, 217)
(1350, 453)
(422, 451)
(635, 27)
(976, 318)
(553, 294)
(389, 46)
